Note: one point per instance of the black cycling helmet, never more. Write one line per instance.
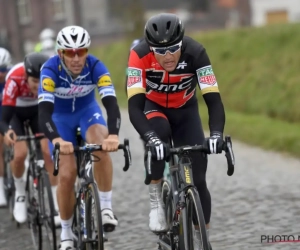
(164, 30)
(33, 63)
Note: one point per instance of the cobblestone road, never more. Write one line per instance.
(261, 198)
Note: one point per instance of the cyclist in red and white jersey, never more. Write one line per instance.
(163, 73)
(5, 64)
(20, 103)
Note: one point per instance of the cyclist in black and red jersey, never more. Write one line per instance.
(163, 73)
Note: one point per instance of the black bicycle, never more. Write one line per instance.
(182, 202)
(40, 204)
(87, 222)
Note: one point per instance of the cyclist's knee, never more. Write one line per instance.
(161, 127)
(46, 153)
(67, 171)
(96, 134)
(104, 157)
(20, 152)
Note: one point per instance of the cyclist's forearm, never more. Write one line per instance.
(113, 114)
(7, 114)
(137, 117)
(45, 119)
(216, 112)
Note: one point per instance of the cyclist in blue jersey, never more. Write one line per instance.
(5, 64)
(67, 101)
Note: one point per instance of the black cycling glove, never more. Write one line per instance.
(159, 149)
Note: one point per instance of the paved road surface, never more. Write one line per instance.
(261, 198)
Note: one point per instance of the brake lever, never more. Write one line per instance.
(229, 155)
(148, 177)
(127, 155)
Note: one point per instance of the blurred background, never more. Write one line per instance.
(21, 21)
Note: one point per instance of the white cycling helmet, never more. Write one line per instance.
(47, 34)
(48, 44)
(73, 37)
(5, 57)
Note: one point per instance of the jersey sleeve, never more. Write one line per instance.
(10, 93)
(47, 85)
(136, 76)
(205, 75)
(102, 78)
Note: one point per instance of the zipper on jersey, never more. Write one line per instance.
(168, 89)
(73, 104)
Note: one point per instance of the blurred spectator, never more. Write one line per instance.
(46, 34)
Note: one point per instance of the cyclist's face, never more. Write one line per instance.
(33, 84)
(75, 59)
(168, 61)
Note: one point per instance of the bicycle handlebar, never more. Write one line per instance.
(227, 147)
(30, 137)
(89, 148)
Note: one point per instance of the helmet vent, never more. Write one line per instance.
(74, 38)
(178, 29)
(155, 27)
(82, 39)
(168, 26)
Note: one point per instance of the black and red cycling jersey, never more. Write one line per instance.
(174, 89)
(19, 103)
(171, 90)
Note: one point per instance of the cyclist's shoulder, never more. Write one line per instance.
(142, 49)
(136, 42)
(191, 47)
(53, 63)
(91, 59)
(17, 72)
(95, 65)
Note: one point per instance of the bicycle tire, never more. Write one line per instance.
(33, 213)
(9, 184)
(194, 212)
(91, 195)
(47, 219)
(168, 202)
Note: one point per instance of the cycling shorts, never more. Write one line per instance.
(67, 123)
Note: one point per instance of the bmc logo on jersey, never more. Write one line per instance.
(48, 85)
(170, 88)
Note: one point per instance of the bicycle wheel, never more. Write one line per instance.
(168, 202)
(33, 210)
(9, 184)
(93, 219)
(195, 218)
(47, 211)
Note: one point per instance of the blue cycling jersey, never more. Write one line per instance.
(70, 95)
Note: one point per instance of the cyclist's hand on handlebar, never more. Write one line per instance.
(111, 143)
(10, 138)
(215, 143)
(159, 149)
(65, 146)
